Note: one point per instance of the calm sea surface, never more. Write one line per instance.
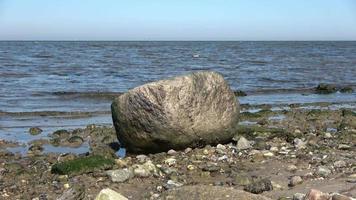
(66, 76)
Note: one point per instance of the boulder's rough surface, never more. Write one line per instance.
(185, 111)
(209, 193)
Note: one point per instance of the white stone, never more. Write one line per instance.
(109, 194)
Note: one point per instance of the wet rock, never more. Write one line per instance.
(240, 93)
(109, 194)
(119, 175)
(82, 165)
(61, 134)
(243, 144)
(316, 195)
(207, 192)
(323, 171)
(35, 130)
(295, 180)
(325, 88)
(346, 89)
(35, 149)
(76, 140)
(259, 186)
(176, 113)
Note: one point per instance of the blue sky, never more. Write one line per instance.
(178, 20)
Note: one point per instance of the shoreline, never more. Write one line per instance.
(279, 143)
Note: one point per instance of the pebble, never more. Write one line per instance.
(119, 175)
(343, 147)
(121, 163)
(268, 154)
(298, 196)
(172, 152)
(274, 149)
(220, 146)
(327, 135)
(316, 195)
(187, 150)
(340, 164)
(323, 171)
(295, 180)
(191, 167)
(170, 161)
(109, 194)
(66, 186)
(299, 143)
(141, 158)
(260, 186)
(35, 130)
(243, 144)
(292, 168)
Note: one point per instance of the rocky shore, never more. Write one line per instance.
(276, 154)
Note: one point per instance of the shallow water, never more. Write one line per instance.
(45, 83)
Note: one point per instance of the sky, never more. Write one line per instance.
(177, 19)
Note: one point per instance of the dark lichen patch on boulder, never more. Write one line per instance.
(82, 165)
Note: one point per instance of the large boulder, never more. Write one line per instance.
(185, 111)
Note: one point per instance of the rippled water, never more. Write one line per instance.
(71, 76)
(31, 71)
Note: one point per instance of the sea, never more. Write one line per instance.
(70, 84)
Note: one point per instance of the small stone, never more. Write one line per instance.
(323, 171)
(327, 135)
(206, 152)
(191, 167)
(62, 133)
(187, 150)
(295, 180)
(109, 194)
(243, 143)
(260, 186)
(298, 196)
(297, 131)
(210, 167)
(121, 163)
(141, 158)
(292, 168)
(170, 161)
(340, 164)
(66, 186)
(220, 146)
(343, 147)
(35, 130)
(171, 152)
(274, 149)
(119, 175)
(145, 170)
(268, 154)
(172, 183)
(299, 144)
(316, 195)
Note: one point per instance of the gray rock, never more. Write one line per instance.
(185, 111)
(207, 192)
(340, 164)
(35, 130)
(119, 175)
(259, 186)
(109, 194)
(323, 171)
(299, 144)
(298, 196)
(295, 180)
(75, 193)
(243, 144)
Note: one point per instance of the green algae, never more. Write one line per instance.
(82, 165)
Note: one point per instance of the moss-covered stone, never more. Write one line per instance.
(346, 89)
(82, 165)
(35, 130)
(325, 88)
